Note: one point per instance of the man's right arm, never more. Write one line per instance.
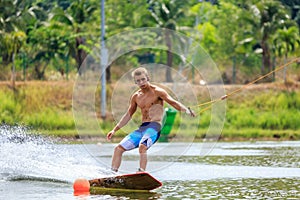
(125, 118)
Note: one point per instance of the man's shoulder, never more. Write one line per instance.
(157, 88)
(136, 93)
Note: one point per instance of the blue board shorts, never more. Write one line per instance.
(147, 134)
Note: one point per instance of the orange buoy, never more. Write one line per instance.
(81, 185)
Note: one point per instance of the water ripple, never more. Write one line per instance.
(233, 189)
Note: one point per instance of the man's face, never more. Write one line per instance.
(141, 80)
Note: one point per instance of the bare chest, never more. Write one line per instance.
(146, 100)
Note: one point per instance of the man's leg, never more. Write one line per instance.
(117, 158)
(143, 156)
(151, 135)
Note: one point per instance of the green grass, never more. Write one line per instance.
(256, 114)
(10, 109)
(276, 110)
(50, 119)
(270, 114)
(39, 106)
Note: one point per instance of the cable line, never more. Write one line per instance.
(209, 103)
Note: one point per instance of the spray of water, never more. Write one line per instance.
(28, 156)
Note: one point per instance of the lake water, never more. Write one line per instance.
(38, 168)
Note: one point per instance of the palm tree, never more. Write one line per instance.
(229, 23)
(285, 42)
(271, 16)
(14, 18)
(13, 42)
(76, 16)
(166, 13)
(49, 43)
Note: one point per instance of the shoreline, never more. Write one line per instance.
(227, 135)
(99, 139)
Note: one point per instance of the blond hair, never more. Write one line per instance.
(140, 71)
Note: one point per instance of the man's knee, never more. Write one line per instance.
(119, 149)
(142, 148)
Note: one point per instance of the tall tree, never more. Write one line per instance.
(13, 41)
(224, 33)
(125, 15)
(286, 41)
(81, 17)
(15, 16)
(166, 14)
(48, 43)
(268, 16)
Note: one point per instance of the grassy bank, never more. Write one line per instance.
(40, 105)
(260, 112)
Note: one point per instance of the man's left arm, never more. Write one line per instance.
(176, 104)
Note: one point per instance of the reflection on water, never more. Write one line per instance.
(33, 167)
(275, 154)
(128, 194)
(233, 189)
(265, 161)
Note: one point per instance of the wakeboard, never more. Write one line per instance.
(138, 181)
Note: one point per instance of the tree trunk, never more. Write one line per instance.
(266, 58)
(80, 53)
(13, 72)
(284, 69)
(273, 68)
(234, 70)
(6, 58)
(40, 73)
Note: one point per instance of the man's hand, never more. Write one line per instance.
(224, 97)
(109, 135)
(190, 112)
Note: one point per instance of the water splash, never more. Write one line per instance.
(28, 156)
(18, 135)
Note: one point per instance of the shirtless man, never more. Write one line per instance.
(150, 99)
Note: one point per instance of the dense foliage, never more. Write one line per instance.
(38, 37)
